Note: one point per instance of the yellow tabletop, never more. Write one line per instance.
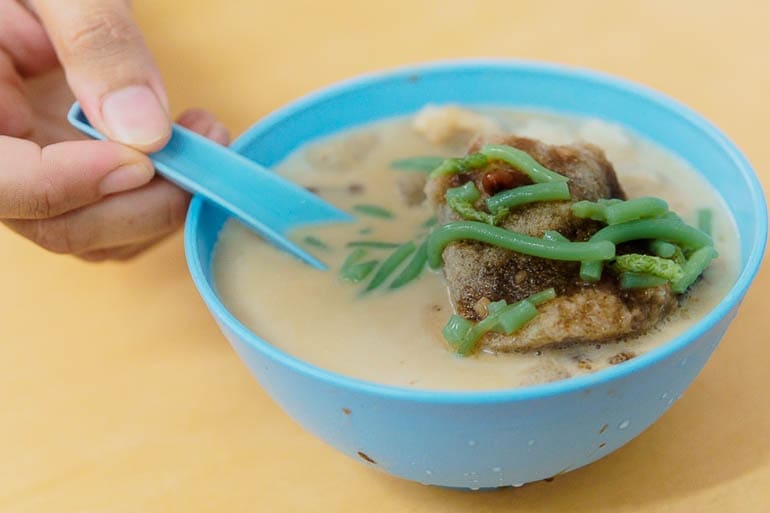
(118, 393)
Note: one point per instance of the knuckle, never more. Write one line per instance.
(102, 32)
(38, 193)
(44, 200)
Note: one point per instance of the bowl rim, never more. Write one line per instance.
(447, 396)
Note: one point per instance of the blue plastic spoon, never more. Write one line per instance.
(262, 200)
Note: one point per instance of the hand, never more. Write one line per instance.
(97, 200)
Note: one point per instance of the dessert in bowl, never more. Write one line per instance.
(558, 408)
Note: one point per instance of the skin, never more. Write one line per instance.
(97, 200)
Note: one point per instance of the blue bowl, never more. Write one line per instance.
(487, 439)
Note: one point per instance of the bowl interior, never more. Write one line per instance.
(514, 84)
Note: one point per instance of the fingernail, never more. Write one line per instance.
(125, 178)
(134, 116)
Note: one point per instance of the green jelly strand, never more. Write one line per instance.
(315, 242)
(461, 199)
(554, 235)
(413, 269)
(705, 220)
(372, 244)
(543, 296)
(669, 230)
(550, 191)
(463, 335)
(590, 210)
(390, 264)
(424, 164)
(465, 164)
(525, 244)
(353, 270)
(373, 211)
(638, 208)
(522, 161)
(694, 267)
(358, 272)
(662, 248)
(631, 280)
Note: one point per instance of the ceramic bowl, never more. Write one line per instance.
(505, 437)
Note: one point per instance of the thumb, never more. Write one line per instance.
(110, 69)
(39, 183)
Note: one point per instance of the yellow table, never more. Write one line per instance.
(118, 394)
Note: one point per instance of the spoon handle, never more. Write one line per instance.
(259, 198)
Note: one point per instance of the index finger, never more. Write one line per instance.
(110, 69)
(22, 37)
(37, 183)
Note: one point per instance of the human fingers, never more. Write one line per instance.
(109, 69)
(15, 112)
(130, 218)
(120, 253)
(24, 40)
(197, 120)
(206, 124)
(122, 225)
(39, 183)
